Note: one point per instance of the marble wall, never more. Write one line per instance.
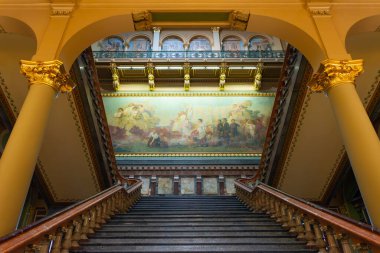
(187, 185)
(165, 185)
(210, 186)
(145, 190)
(229, 185)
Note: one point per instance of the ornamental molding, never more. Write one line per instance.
(335, 72)
(50, 73)
(61, 9)
(324, 10)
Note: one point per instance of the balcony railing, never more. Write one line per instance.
(321, 228)
(269, 54)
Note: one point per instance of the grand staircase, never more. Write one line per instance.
(191, 224)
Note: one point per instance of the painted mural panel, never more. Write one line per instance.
(229, 184)
(165, 185)
(187, 185)
(200, 44)
(145, 189)
(139, 44)
(210, 185)
(172, 44)
(177, 125)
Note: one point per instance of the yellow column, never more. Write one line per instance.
(337, 79)
(17, 163)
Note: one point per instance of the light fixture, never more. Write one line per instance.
(131, 67)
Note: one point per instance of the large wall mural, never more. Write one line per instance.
(176, 125)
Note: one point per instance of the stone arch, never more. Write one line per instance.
(195, 37)
(363, 42)
(229, 35)
(300, 35)
(139, 35)
(79, 38)
(17, 41)
(171, 35)
(204, 35)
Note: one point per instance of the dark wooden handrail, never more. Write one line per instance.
(357, 229)
(22, 237)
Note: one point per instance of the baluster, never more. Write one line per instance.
(272, 208)
(57, 245)
(266, 203)
(105, 215)
(111, 210)
(76, 234)
(309, 236)
(41, 247)
(99, 218)
(290, 222)
(299, 228)
(277, 212)
(85, 226)
(344, 241)
(93, 224)
(282, 216)
(66, 244)
(332, 244)
(319, 242)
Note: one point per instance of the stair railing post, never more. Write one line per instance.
(309, 236)
(76, 234)
(299, 228)
(57, 244)
(66, 244)
(331, 242)
(319, 242)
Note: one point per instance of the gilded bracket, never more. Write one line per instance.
(222, 76)
(150, 69)
(115, 76)
(50, 73)
(335, 72)
(186, 71)
(258, 75)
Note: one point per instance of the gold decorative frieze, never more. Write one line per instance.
(51, 73)
(2, 30)
(334, 72)
(61, 9)
(189, 94)
(192, 154)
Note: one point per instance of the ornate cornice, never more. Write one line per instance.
(334, 72)
(61, 9)
(50, 73)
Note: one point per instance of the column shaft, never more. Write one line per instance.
(20, 155)
(361, 143)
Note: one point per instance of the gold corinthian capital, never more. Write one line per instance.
(334, 72)
(50, 73)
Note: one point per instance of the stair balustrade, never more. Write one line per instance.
(62, 231)
(321, 228)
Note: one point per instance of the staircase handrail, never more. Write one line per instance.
(119, 197)
(286, 208)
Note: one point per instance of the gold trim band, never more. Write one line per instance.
(189, 94)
